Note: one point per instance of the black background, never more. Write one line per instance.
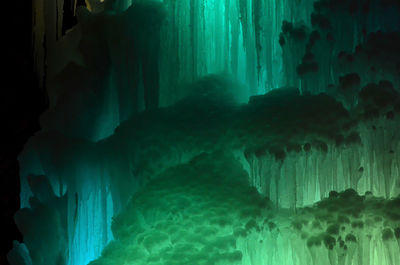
(21, 103)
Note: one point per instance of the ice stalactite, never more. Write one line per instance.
(371, 61)
(338, 47)
(306, 176)
(88, 237)
(293, 40)
(365, 160)
(86, 196)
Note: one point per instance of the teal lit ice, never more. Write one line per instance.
(215, 132)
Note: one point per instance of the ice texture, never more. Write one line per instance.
(344, 37)
(199, 37)
(202, 212)
(294, 149)
(159, 117)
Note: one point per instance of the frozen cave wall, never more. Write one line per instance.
(264, 44)
(234, 37)
(311, 167)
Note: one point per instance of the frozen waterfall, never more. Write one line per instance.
(214, 132)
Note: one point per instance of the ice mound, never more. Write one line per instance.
(276, 123)
(202, 212)
(189, 214)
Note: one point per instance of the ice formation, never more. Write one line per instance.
(214, 132)
(203, 212)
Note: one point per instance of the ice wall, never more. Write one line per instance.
(264, 44)
(296, 146)
(200, 37)
(232, 36)
(102, 70)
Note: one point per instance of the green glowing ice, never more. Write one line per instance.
(203, 212)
